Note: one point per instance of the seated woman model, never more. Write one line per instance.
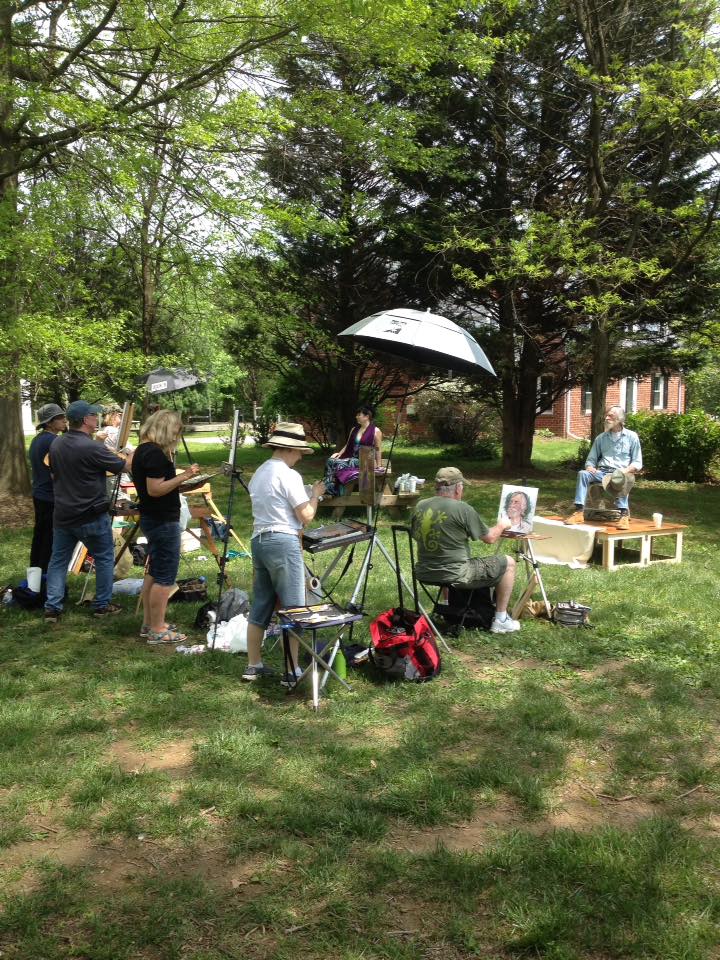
(342, 466)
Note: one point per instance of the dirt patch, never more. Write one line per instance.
(480, 668)
(577, 808)
(174, 759)
(606, 669)
(474, 834)
(16, 512)
(121, 860)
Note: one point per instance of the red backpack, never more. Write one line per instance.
(403, 645)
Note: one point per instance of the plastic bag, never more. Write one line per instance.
(231, 635)
(184, 512)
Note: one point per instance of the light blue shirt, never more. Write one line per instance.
(612, 450)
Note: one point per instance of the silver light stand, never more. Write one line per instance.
(229, 469)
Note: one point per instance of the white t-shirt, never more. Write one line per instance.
(275, 490)
(111, 437)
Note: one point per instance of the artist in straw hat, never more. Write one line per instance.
(51, 421)
(280, 508)
(615, 451)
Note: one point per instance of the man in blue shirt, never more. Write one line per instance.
(79, 465)
(50, 422)
(616, 449)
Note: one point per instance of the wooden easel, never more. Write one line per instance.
(525, 552)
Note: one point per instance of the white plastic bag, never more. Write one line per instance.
(184, 512)
(231, 636)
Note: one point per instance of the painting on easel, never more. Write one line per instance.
(517, 504)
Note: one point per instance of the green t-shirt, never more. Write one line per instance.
(442, 528)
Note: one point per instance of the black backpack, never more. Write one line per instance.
(474, 612)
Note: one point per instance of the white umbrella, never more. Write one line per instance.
(422, 337)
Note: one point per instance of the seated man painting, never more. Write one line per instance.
(617, 449)
(443, 526)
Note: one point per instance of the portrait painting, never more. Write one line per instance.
(517, 504)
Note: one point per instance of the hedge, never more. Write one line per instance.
(677, 446)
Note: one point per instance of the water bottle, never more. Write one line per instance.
(340, 664)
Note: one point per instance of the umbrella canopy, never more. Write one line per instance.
(422, 337)
(166, 380)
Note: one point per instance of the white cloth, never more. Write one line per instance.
(571, 546)
(275, 490)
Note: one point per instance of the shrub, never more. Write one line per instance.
(677, 446)
(579, 460)
(470, 426)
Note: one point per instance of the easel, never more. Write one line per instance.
(371, 497)
(206, 493)
(525, 552)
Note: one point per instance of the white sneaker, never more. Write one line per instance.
(508, 625)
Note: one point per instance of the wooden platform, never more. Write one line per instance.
(643, 530)
(379, 491)
(396, 503)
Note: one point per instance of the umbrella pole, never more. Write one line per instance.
(182, 435)
(234, 477)
(376, 510)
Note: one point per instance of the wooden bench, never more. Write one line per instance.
(643, 530)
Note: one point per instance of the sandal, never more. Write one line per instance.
(145, 629)
(165, 636)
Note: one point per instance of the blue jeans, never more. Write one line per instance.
(585, 478)
(278, 570)
(97, 537)
(163, 537)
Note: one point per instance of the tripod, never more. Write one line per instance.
(358, 595)
(235, 474)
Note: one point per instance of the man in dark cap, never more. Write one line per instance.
(79, 466)
(443, 526)
(50, 422)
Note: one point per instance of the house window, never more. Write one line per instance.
(659, 391)
(586, 399)
(630, 398)
(545, 393)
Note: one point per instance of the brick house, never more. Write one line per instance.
(568, 416)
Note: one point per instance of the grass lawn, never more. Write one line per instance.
(553, 794)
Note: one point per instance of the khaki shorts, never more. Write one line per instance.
(482, 572)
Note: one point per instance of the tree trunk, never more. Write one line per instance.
(14, 477)
(600, 375)
(519, 409)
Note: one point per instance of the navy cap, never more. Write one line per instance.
(81, 408)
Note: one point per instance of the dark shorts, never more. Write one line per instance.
(482, 572)
(163, 537)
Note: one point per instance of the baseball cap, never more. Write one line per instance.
(81, 408)
(48, 412)
(447, 476)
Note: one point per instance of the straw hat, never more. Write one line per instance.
(289, 436)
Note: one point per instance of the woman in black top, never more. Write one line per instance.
(157, 482)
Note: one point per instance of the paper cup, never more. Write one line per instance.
(657, 519)
(34, 579)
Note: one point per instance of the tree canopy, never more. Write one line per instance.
(230, 185)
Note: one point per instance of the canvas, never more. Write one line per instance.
(517, 504)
